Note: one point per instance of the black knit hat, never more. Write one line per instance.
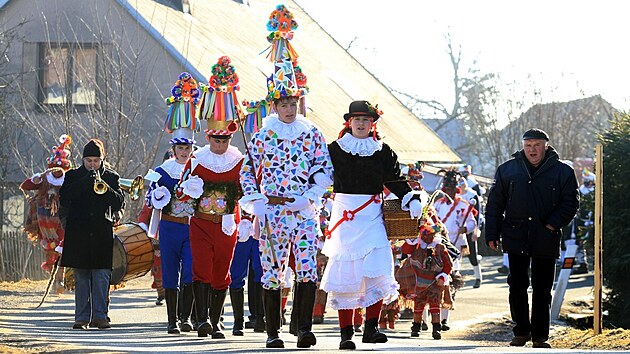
(94, 148)
(535, 134)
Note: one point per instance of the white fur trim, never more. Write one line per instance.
(218, 163)
(361, 147)
(36, 176)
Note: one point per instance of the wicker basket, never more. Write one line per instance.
(398, 224)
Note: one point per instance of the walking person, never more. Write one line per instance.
(90, 196)
(534, 195)
(360, 269)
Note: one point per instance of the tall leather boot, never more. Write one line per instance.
(346, 338)
(271, 303)
(259, 324)
(293, 324)
(216, 310)
(186, 308)
(171, 310)
(371, 333)
(201, 291)
(237, 298)
(305, 297)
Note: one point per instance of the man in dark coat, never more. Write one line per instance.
(534, 195)
(88, 243)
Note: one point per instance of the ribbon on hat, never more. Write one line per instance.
(182, 104)
(218, 98)
(256, 111)
(281, 24)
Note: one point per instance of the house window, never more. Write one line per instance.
(68, 74)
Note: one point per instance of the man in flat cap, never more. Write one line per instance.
(534, 195)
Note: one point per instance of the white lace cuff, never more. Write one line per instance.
(37, 176)
(315, 194)
(247, 201)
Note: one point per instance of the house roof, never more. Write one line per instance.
(224, 27)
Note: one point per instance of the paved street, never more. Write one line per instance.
(139, 325)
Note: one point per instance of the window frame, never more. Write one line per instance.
(41, 95)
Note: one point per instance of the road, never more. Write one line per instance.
(139, 325)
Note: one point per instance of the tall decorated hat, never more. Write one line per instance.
(219, 104)
(181, 120)
(61, 154)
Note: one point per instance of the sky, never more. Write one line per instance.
(564, 49)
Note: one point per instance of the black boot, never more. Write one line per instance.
(216, 308)
(371, 333)
(346, 338)
(171, 310)
(259, 323)
(201, 291)
(415, 329)
(237, 298)
(186, 308)
(271, 302)
(436, 330)
(305, 298)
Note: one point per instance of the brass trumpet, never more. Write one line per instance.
(131, 186)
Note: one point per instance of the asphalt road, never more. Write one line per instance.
(138, 325)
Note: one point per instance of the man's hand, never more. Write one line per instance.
(494, 245)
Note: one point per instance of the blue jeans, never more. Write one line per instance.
(91, 290)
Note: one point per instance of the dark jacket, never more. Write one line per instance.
(521, 203)
(88, 242)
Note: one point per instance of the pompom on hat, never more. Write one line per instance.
(535, 134)
(181, 120)
(219, 104)
(61, 154)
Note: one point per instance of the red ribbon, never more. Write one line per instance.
(348, 215)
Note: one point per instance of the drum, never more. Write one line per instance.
(133, 253)
(398, 224)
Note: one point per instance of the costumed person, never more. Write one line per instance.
(390, 312)
(429, 267)
(90, 197)
(472, 236)
(144, 219)
(360, 269)
(458, 217)
(290, 154)
(173, 229)
(211, 179)
(43, 224)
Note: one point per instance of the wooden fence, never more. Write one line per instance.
(20, 258)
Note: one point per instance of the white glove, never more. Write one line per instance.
(245, 229)
(36, 178)
(259, 209)
(160, 197)
(415, 209)
(193, 187)
(143, 226)
(59, 249)
(322, 180)
(228, 224)
(298, 204)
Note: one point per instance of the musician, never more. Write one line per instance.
(458, 217)
(210, 178)
(90, 196)
(43, 224)
(360, 269)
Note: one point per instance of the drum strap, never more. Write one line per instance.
(348, 215)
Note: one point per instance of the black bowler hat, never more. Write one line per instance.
(363, 108)
(535, 134)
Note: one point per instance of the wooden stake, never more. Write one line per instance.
(599, 194)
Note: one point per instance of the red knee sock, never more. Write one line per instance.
(373, 311)
(345, 318)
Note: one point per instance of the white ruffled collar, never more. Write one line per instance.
(361, 147)
(287, 131)
(57, 182)
(173, 168)
(217, 163)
